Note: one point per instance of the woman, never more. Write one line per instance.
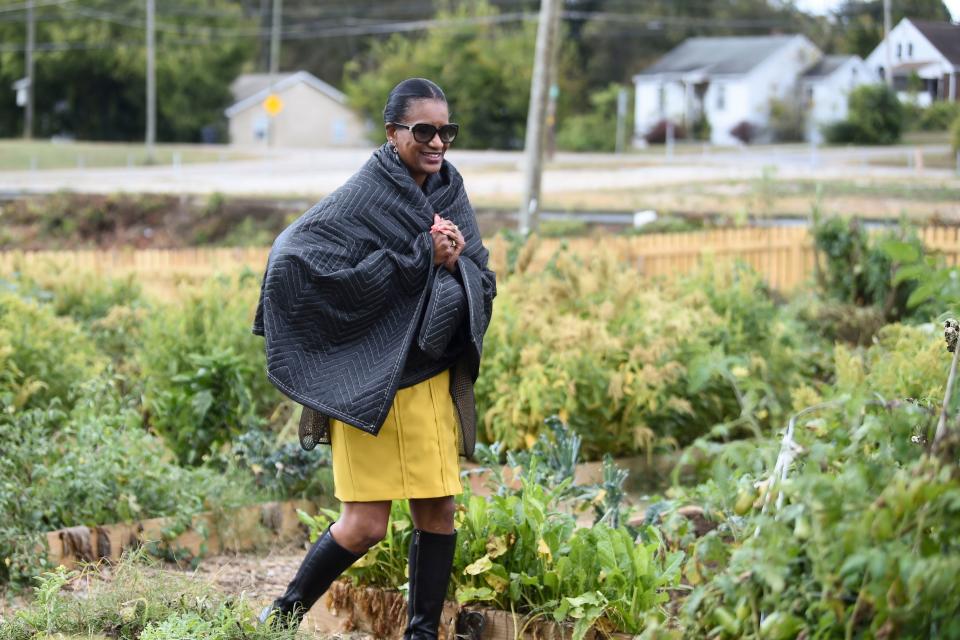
(374, 306)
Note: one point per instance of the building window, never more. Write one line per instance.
(910, 50)
(662, 98)
(721, 97)
(899, 51)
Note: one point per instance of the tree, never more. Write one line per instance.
(90, 72)
(860, 22)
(484, 68)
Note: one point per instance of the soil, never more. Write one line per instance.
(85, 221)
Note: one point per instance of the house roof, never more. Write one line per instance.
(826, 66)
(718, 55)
(945, 37)
(252, 88)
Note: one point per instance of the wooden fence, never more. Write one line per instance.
(784, 255)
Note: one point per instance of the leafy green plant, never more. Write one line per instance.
(659, 366)
(42, 356)
(134, 600)
(202, 371)
(93, 465)
(857, 269)
(858, 538)
(284, 469)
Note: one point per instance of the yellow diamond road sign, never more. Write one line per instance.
(273, 105)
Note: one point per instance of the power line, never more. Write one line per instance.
(23, 6)
(382, 28)
(308, 31)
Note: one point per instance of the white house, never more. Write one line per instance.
(930, 50)
(311, 113)
(731, 80)
(826, 89)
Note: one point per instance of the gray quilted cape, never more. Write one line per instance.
(345, 293)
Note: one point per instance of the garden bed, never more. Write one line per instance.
(206, 533)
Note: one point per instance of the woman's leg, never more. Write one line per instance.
(433, 514)
(431, 559)
(360, 526)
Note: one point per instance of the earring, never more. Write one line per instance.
(393, 147)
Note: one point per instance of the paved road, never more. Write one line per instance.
(487, 173)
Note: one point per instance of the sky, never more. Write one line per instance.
(823, 6)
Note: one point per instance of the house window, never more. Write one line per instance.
(899, 50)
(662, 98)
(910, 50)
(721, 97)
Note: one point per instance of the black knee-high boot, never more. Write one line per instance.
(323, 564)
(431, 559)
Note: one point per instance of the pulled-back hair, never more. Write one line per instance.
(406, 92)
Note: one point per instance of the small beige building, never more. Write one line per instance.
(312, 113)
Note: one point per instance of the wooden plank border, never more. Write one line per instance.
(240, 530)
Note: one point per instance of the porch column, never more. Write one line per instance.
(953, 86)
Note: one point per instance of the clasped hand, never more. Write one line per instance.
(448, 242)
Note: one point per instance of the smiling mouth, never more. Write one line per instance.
(433, 155)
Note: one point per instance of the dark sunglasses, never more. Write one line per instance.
(424, 132)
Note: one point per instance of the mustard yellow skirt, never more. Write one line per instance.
(415, 455)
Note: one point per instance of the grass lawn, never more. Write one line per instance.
(23, 155)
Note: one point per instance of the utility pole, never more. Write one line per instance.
(621, 119)
(275, 40)
(151, 83)
(554, 91)
(31, 43)
(274, 60)
(888, 76)
(536, 115)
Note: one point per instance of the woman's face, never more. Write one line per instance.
(421, 158)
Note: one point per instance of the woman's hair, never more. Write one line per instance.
(406, 92)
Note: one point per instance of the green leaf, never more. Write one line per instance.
(475, 594)
(900, 251)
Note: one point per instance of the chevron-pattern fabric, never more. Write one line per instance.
(344, 301)
(446, 311)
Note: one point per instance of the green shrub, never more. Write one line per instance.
(596, 129)
(701, 128)
(843, 132)
(284, 469)
(631, 365)
(93, 465)
(875, 117)
(939, 116)
(867, 516)
(787, 120)
(203, 372)
(42, 356)
(855, 269)
(108, 310)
